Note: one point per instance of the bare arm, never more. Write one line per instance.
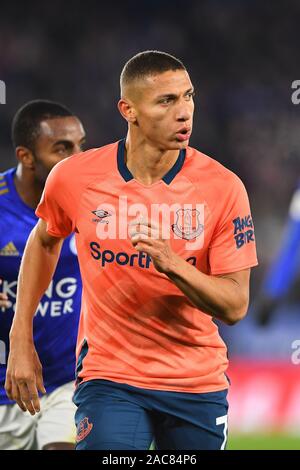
(225, 297)
(24, 371)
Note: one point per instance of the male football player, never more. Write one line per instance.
(44, 133)
(165, 243)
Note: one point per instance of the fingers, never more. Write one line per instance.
(25, 393)
(34, 401)
(144, 221)
(136, 237)
(8, 386)
(142, 229)
(24, 376)
(29, 397)
(4, 302)
(146, 248)
(30, 394)
(15, 395)
(40, 383)
(139, 230)
(147, 237)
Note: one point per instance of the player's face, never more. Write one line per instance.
(58, 139)
(165, 108)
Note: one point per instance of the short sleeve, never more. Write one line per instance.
(232, 247)
(54, 206)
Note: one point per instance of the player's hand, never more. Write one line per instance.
(146, 236)
(4, 302)
(24, 377)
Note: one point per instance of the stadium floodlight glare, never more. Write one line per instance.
(2, 92)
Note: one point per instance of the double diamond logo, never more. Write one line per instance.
(102, 216)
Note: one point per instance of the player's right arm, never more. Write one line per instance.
(24, 371)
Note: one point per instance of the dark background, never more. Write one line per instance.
(242, 57)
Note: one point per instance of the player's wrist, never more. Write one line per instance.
(173, 265)
(20, 333)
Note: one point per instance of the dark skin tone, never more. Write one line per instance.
(58, 138)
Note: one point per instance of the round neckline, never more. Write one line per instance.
(128, 176)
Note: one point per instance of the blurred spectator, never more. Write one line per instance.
(285, 267)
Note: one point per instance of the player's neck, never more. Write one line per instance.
(147, 163)
(28, 189)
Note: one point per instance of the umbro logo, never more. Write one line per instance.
(9, 250)
(102, 216)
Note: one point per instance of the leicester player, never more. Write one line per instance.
(44, 133)
(165, 244)
(284, 268)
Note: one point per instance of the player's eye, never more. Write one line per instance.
(166, 100)
(190, 95)
(61, 150)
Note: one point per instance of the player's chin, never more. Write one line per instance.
(176, 144)
(180, 144)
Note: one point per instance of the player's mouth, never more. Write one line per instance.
(184, 134)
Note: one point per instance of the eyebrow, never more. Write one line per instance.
(173, 96)
(67, 143)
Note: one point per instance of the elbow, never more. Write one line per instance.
(234, 315)
(234, 318)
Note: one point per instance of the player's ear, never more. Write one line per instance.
(25, 156)
(127, 110)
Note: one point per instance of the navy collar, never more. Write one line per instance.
(127, 175)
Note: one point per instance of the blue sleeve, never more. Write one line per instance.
(285, 267)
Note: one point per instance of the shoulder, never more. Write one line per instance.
(5, 184)
(200, 166)
(84, 166)
(7, 174)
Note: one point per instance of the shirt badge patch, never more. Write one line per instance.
(188, 224)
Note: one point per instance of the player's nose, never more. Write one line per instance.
(77, 148)
(184, 112)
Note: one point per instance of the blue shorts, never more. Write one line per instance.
(112, 416)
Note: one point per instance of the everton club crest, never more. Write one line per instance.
(188, 224)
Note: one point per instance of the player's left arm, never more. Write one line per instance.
(223, 296)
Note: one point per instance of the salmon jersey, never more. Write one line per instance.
(136, 326)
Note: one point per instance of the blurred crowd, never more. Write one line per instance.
(241, 56)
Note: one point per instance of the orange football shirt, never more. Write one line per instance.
(136, 326)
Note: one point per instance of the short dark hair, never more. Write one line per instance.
(148, 63)
(26, 122)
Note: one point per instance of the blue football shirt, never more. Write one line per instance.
(56, 319)
(284, 268)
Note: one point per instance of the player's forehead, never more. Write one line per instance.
(62, 128)
(172, 82)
